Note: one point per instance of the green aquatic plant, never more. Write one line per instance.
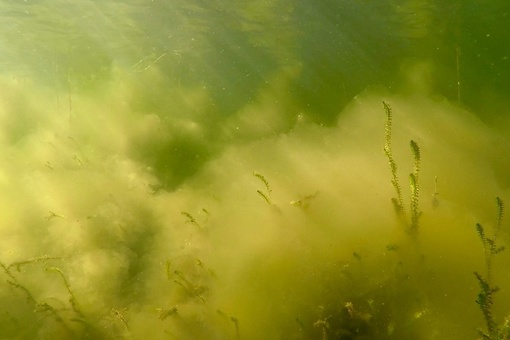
(415, 189)
(14, 281)
(190, 219)
(305, 201)
(191, 289)
(24, 289)
(72, 298)
(190, 279)
(412, 222)
(120, 315)
(232, 319)
(490, 243)
(398, 202)
(37, 311)
(19, 264)
(393, 307)
(16, 284)
(235, 321)
(165, 313)
(485, 299)
(266, 196)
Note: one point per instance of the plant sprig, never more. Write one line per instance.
(398, 202)
(490, 246)
(266, 196)
(412, 223)
(487, 289)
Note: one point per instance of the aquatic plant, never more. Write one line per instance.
(412, 223)
(46, 314)
(234, 320)
(165, 313)
(72, 298)
(489, 243)
(191, 219)
(266, 196)
(19, 264)
(305, 201)
(415, 189)
(485, 299)
(398, 202)
(15, 282)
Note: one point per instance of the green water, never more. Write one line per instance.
(216, 169)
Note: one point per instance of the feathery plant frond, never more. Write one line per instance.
(15, 282)
(72, 298)
(236, 325)
(485, 301)
(415, 189)
(25, 290)
(7, 271)
(18, 264)
(398, 202)
(191, 219)
(266, 197)
(490, 245)
(120, 315)
(487, 290)
(501, 210)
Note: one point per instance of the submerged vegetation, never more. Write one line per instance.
(267, 195)
(364, 296)
(487, 289)
(412, 222)
(129, 136)
(43, 317)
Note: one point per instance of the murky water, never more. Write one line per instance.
(226, 170)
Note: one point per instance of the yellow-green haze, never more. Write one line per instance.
(222, 174)
(223, 252)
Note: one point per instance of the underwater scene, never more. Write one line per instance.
(213, 169)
